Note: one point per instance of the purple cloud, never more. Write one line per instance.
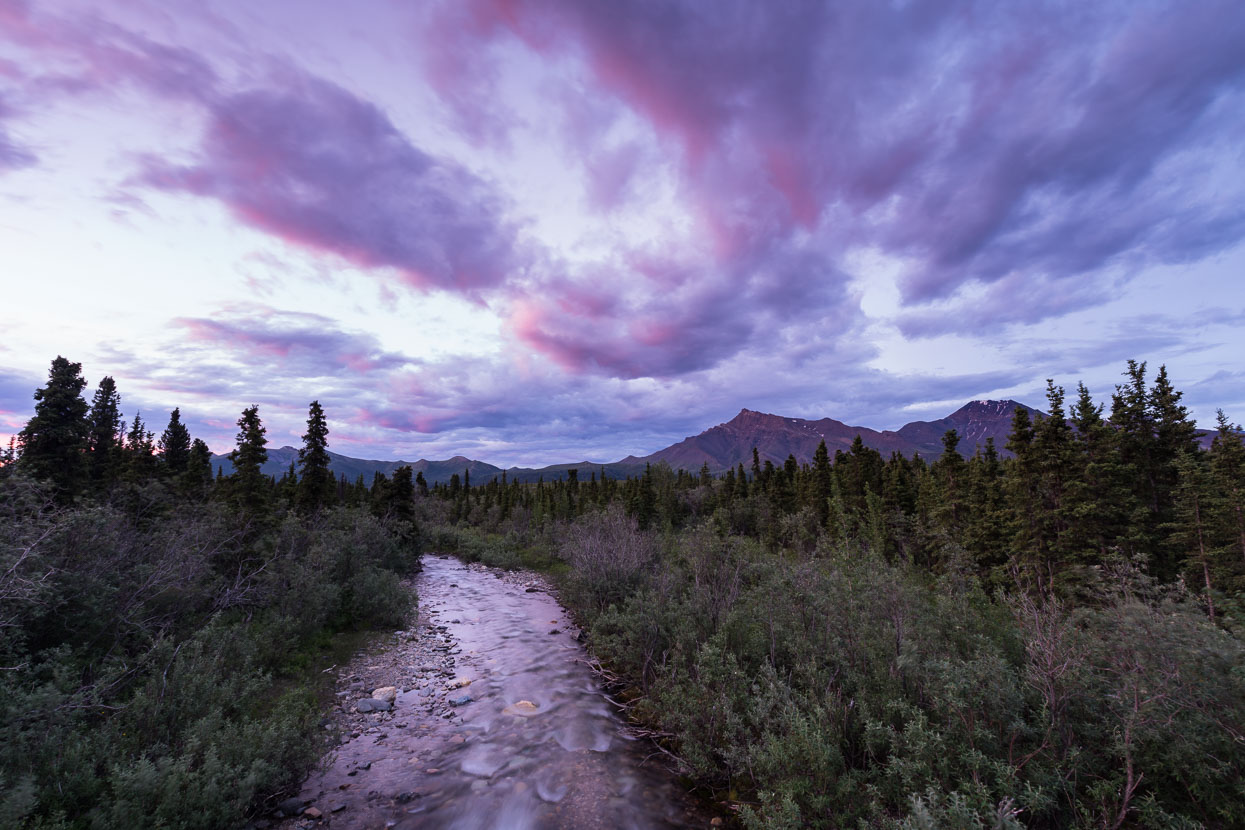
(90, 54)
(688, 317)
(12, 154)
(324, 170)
(294, 156)
(306, 345)
(978, 140)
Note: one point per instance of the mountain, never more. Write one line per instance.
(721, 447)
(776, 437)
(279, 461)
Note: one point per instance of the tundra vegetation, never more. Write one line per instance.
(1045, 637)
(161, 630)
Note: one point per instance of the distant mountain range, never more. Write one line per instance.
(776, 437)
(721, 447)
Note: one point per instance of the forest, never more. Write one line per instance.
(1046, 634)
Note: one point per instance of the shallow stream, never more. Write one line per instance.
(529, 742)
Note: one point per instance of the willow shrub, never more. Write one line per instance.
(840, 689)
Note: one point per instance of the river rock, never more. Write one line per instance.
(385, 693)
(312, 812)
(369, 704)
(461, 701)
(524, 708)
(291, 806)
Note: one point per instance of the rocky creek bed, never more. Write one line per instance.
(482, 715)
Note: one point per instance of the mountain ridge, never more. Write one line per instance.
(721, 447)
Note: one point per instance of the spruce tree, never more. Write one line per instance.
(1057, 463)
(401, 496)
(175, 444)
(988, 524)
(1023, 486)
(821, 483)
(1175, 436)
(1134, 439)
(104, 435)
(198, 474)
(949, 474)
(1192, 527)
(315, 489)
(1102, 499)
(249, 486)
(1227, 470)
(54, 442)
(140, 451)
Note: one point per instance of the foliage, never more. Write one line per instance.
(158, 631)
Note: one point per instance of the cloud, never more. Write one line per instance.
(86, 53)
(656, 316)
(322, 169)
(17, 389)
(982, 141)
(1016, 298)
(292, 155)
(13, 155)
(299, 344)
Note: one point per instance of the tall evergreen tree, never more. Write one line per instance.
(401, 495)
(821, 482)
(1227, 466)
(198, 475)
(54, 442)
(1175, 436)
(175, 444)
(249, 485)
(949, 474)
(987, 527)
(1192, 528)
(140, 451)
(1056, 465)
(315, 489)
(104, 435)
(1102, 501)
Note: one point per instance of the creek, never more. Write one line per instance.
(502, 724)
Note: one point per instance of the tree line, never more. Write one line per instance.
(1077, 489)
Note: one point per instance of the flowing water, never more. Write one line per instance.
(537, 745)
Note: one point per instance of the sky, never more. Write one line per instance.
(532, 232)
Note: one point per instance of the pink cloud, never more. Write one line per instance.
(930, 130)
(328, 172)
